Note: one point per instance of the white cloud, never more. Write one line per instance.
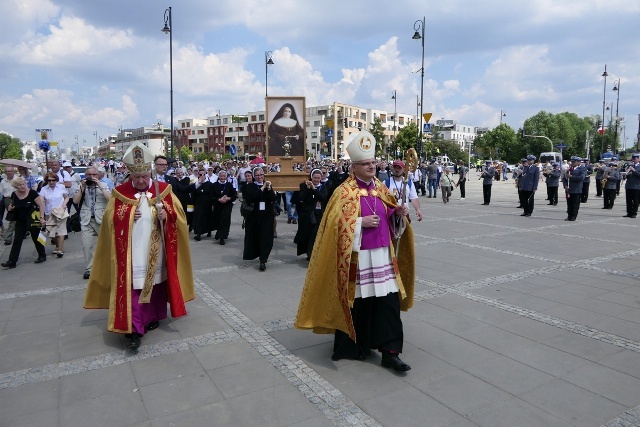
(73, 39)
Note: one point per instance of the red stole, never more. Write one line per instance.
(124, 210)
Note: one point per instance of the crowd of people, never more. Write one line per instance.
(136, 216)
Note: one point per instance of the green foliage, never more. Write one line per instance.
(448, 147)
(500, 143)
(200, 157)
(185, 154)
(10, 147)
(566, 128)
(29, 154)
(405, 139)
(378, 133)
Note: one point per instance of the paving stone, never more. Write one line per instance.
(120, 409)
(572, 404)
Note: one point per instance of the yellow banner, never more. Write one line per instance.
(53, 143)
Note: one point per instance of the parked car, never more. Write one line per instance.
(80, 170)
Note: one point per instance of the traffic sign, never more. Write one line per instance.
(561, 146)
(427, 117)
(426, 127)
(232, 149)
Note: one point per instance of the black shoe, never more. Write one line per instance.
(87, 274)
(153, 325)
(519, 207)
(263, 266)
(550, 204)
(9, 264)
(528, 214)
(222, 242)
(389, 361)
(197, 238)
(605, 208)
(7, 243)
(134, 342)
(523, 214)
(555, 203)
(41, 258)
(60, 254)
(209, 234)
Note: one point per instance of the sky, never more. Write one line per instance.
(86, 68)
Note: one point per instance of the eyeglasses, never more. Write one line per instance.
(162, 164)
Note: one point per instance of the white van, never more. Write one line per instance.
(550, 156)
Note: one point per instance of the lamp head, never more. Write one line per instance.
(166, 28)
(416, 36)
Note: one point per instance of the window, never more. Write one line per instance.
(261, 117)
(316, 122)
(218, 122)
(253, 118)
(225, 121)
(314, 134)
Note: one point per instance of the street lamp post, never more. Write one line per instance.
(419, 26)
(616, 89)
(419, 131)
(267, 61)
(604, 101)
(503, 113)
(168, 29)
(395, 115)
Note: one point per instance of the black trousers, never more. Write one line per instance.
(527, 199)
(573, 205)
(585, 191)
(486, 193)
(609, 197)
(633, 197)
(598, 187)
(18, 238)
(462, 188)
(552, 195)
(378, 326)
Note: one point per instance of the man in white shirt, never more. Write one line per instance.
(396, 185)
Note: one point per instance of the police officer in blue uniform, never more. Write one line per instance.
(632, 187)
(553, 182)
(487, 174)
(587, 181)
(572, 182)
(518, 180)
(528, 185)
(611, 177)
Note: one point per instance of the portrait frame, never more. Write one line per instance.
(276, 134)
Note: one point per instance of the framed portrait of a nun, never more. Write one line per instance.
(286, 128)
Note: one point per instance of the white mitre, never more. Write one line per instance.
(138, 158)
(361, 146)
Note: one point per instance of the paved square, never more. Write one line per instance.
(517, 321)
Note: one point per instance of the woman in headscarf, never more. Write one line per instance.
(223, 195)
(202, 206)
(284, 127)
(183, 193)
(258, 237)
(313, 199)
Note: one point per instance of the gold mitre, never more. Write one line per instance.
(138, 158)
(361, 146)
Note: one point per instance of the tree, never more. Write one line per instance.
(185, 154)
(378, 133)
(500, 143)
(405, 139)
(29, 154)
(450, 148)
(10, 147)
(566, 128)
